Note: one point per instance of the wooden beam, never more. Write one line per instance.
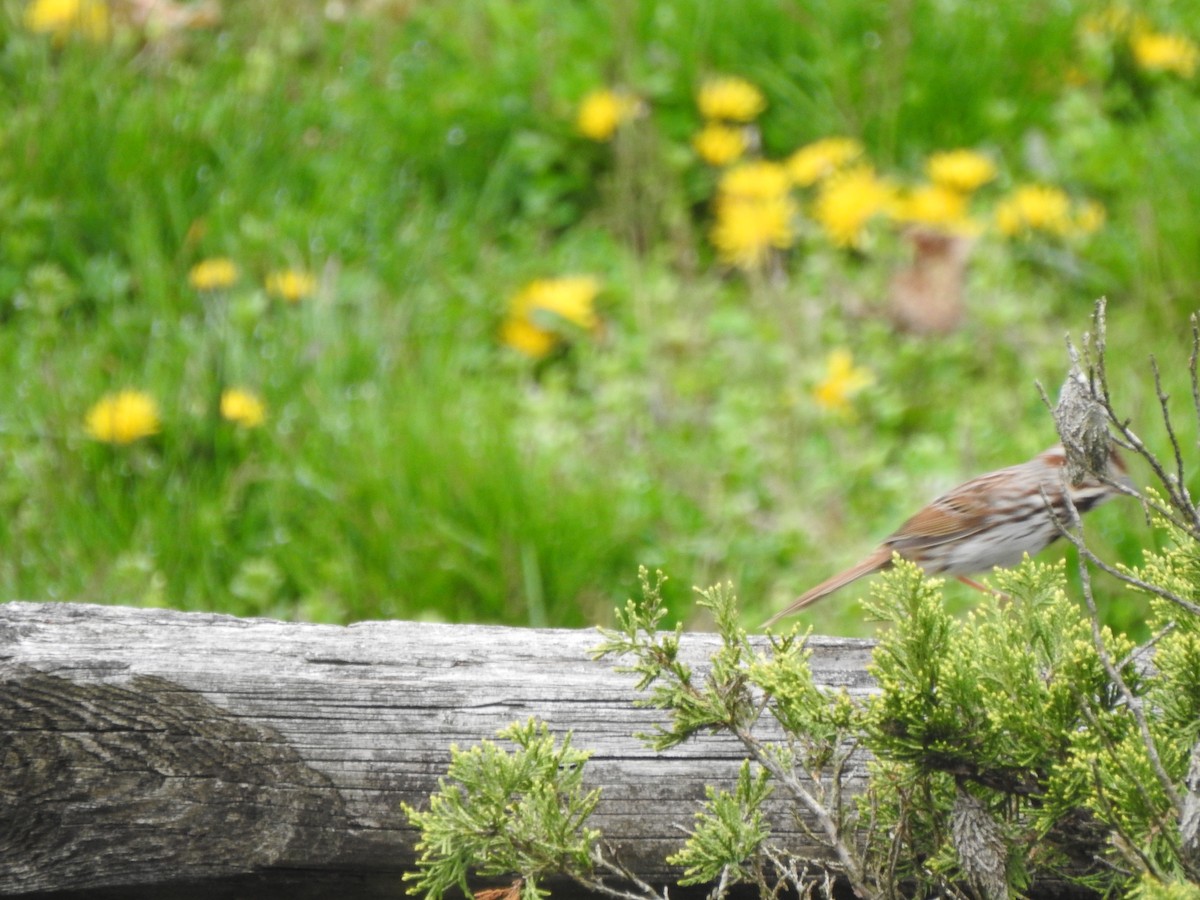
(146, 748)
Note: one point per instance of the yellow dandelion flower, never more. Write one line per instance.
(213, 274)
(1033, 207)
(62, 19)
(754, 214)
(849, 200)
(822, 158)
(1157, 52)
(936, 205)
(291, 285)
(539, 310)
(525, 337)
(719, 145)
(730, 99)
(603, 111)
(242, 408)
(760, 180)
(747, 230)
(123, 417)
(960, 170)
(843, 380)
(570, 298)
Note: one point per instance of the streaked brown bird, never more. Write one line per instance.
(989, 521)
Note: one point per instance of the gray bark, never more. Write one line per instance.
(148, 748)
(1189, 820)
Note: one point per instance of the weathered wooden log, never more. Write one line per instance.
(147, 750)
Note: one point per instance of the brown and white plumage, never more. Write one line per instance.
(989, 521)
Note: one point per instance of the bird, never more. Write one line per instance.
(992, 520)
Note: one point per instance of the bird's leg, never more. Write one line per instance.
(1003, 598)
(975, 584)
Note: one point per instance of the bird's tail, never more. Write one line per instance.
(880, 559)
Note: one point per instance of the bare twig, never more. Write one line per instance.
(607, 862)
(850, 865)
(1136, 708)
(1185, 513)
(1142, 649)
(1193, 359)
(1121, 839)
(803, 880)
(1189, 821)
(1180, 511)
(1163, 405)
(722, 887)
(1085, 554)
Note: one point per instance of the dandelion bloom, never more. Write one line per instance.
(525, 337)
(754, 214)
(539, 310)
(730, 99)
(123, 417)
(1033, 207)
(719, 145)
(936, 205)
(761, 180)
(63, 19)
(291, 285)
(822, 158)
(603, 111)
(213, 274)
(746, 231)
(1157, 52)
(849, 200)
(842, 381)
(960, 170)
(242, 408)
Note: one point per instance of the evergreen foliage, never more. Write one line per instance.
(1003, 752)
(1023, 744)
(498, 812)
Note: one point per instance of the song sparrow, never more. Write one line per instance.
(989, 521)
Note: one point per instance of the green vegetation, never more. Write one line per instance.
(422, 164)
(992, 773)
(524, 811)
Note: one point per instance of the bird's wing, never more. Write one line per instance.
(961, 513)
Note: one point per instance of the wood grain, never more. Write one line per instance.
(148, 747)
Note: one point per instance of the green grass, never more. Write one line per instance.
(421, 160)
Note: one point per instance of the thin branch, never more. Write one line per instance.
(610, 865)
(1097, 373)
(840, 759)
(1193, 359)
(845, 857)
(1180, 500)
(1085, 553)
(722, 888)
(1121, 839)
(1167, 513)
(1141, 650)
(1176, 489)
(1163, 401)
(1176, 493)
(1134, 702)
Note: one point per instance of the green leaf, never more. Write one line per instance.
(729, 831)
(501, 811)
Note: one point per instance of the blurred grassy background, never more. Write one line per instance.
(421, 162)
